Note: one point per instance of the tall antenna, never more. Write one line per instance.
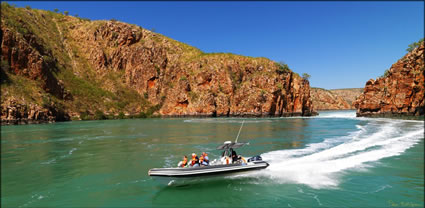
(236, 141)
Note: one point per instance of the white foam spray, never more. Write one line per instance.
(320, 165)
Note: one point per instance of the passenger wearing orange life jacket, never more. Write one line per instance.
(183, 163)
(202, 161)
(206, 159)
(195, 160)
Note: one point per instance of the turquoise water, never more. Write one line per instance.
(331, 160)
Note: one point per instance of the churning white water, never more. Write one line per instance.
(321, 164)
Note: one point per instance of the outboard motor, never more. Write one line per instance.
(255, 158)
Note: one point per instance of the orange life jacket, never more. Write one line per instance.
(184, 163)
(193, 160)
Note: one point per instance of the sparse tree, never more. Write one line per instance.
(76, 15)
(66, 13)
(28, 7)
(414, 45)
(56, 10)
(306, 76)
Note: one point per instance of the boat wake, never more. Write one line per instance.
(336, 114)
(321, 164)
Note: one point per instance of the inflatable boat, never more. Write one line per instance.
(253, 163)
(228, 164)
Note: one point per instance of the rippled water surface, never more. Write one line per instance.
(334, 159)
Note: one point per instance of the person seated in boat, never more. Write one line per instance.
(183, 163)
(234, 156)
(242, 160)
(202, 161)
(206, 159)
(224, 158)
(195, 161)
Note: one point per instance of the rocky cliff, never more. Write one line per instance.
(327, 100)
(348, 94)
(400, 92)
(57, 67)
(336, 99)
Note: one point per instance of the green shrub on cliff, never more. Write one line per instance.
(193, 96)
(5, 65)
(183, 78)
(84, 116)
(282, 67)
(141, 115)
(414, 45)
(306, 76)
(121, 115)
(99, 115)
(386, 73)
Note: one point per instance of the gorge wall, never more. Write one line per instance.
(400, 92)
(57, 67)
(337, 99)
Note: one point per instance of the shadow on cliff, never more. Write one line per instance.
(4, 78)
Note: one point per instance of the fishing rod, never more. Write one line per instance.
(236, 141)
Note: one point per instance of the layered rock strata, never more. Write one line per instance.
(400, 92)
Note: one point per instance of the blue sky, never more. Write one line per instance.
(340, 44)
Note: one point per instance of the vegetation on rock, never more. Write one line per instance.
(110, 69)
(414, 45)
(306, 76)
(400, 92)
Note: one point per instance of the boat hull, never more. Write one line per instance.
(206, 170)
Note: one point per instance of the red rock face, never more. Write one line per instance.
(177, 79)
(209, 85)
(24, 57)
(401, 92)
(337, 99)
(326, 100)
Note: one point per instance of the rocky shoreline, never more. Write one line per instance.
(403, 116)
(240, 115)
(13, 113)
(39, 117)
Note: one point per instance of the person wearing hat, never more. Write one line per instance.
(195, 160)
